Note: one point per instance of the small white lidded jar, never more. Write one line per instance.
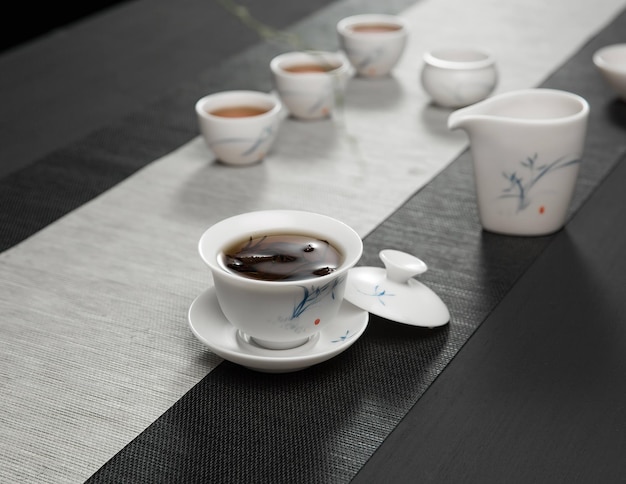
(458, 77)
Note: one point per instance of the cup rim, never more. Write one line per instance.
(581, 113)
(602, 62)
(236, 94)
(343, 26)
(276, 64)
(457, 58)
(222, 234)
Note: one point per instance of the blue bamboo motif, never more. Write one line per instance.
(265, 135)
(519, 187)
(255, 143)
(367, 57)
(315, 295)
(317, 103)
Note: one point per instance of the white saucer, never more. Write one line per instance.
(210, 326)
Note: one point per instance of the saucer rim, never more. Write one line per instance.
(277, 363)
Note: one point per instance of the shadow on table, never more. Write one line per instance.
(434, 119)
(586, 333)
(373, 94)
(294, 422)
(616, 111)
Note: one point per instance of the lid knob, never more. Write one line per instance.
(401, 266)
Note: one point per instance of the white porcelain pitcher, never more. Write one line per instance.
(527, 146)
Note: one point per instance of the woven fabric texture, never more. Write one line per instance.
(322, 424)
(95, 345)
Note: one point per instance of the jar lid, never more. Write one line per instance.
(393, 292)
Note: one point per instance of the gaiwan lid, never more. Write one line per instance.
(393, 293)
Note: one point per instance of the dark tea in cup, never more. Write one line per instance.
(281, 257)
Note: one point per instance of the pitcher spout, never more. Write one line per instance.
(460, 119)
(466, 117)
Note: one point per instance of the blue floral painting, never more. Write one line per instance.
(366, 59)
(251, 144)
(315, 294)
(520, 184)
(318, 103)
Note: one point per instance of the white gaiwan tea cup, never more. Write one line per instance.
(285, 313)
(611, 62)
(458, 77)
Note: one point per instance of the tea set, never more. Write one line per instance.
(287, 325)
(526, 147)
(307, 83)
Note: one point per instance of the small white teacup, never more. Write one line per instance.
(309, 83)
(374, 43)
(239, 126)
(458, 77)
(280, 275)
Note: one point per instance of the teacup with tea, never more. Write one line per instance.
(310, 83)
(373, 43)
(280, 275)
(239, 127)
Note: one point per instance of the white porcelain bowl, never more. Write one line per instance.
(374, 43)
(611, 62)
(241, 139)
(458, 77)
(309, 93)
(279, 314)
